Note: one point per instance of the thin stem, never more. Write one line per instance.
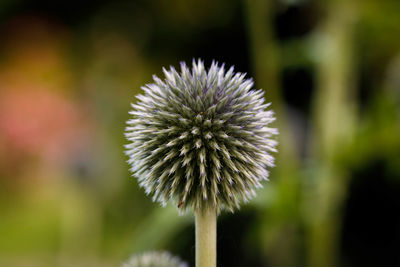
(206, 238)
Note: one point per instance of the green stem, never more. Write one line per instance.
(334, 104)
(265, 59)
(206, 238)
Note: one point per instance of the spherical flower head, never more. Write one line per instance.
(201, 138)
(154, 259)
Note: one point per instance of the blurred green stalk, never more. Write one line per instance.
(264, 57)
(334, 120)
(264, 53)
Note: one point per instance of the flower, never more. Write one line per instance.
(201, 138)
(154, 259)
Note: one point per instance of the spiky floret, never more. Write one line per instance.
(201, 138)
(154, 259)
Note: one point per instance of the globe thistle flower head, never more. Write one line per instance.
(201, 138)
(154, 259)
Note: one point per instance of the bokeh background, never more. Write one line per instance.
(70, 69)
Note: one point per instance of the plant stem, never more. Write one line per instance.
(334, 104)
(266, 62)
(206, 238)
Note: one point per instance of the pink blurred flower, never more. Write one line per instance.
(39, 120)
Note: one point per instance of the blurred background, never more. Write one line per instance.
(70, 69)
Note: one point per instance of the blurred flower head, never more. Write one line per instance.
(41, 125)
(154, 259)
(201, 138)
